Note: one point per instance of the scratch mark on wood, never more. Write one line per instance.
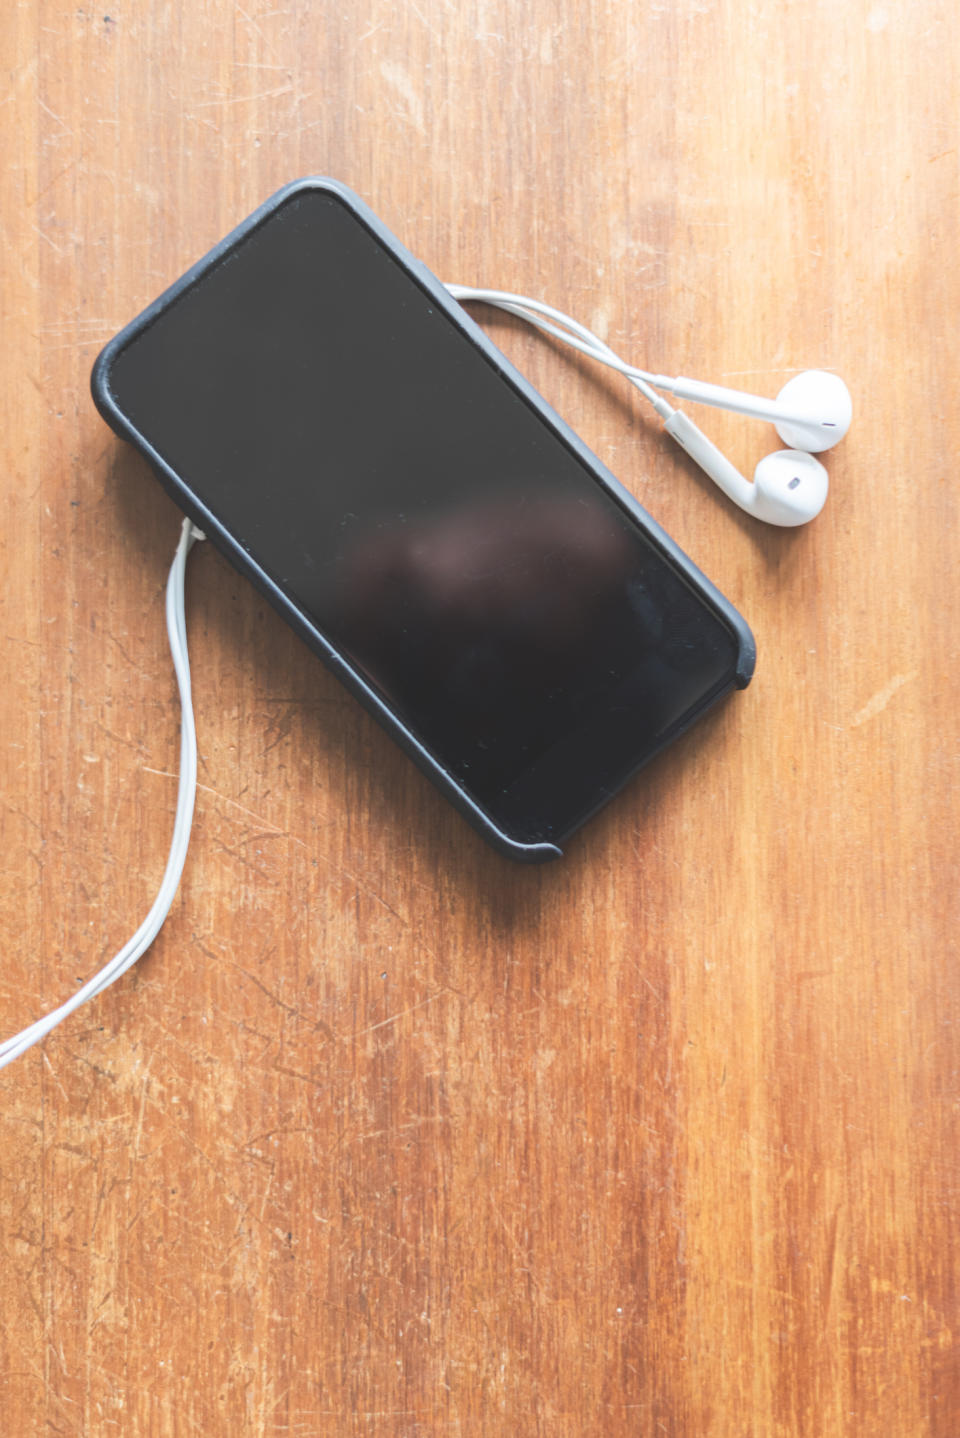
(143, 1103)
(881, 699)
(245, 99)
(268, 828)
(317, 1025)
(398, 79)
(53, 1075)
(54, 116)
(394, 1018)
(43, 236)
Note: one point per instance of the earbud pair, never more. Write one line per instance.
(811, 413)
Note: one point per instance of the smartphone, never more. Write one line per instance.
(338, 426)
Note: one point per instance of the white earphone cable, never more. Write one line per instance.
(573, 333)
(138, 944)
(789, 487)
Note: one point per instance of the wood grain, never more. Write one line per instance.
(386, 1136)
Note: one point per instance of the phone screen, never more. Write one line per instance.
(421, 513)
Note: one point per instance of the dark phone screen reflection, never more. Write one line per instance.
(414, 506)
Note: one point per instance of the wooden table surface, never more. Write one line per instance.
(387, 1136)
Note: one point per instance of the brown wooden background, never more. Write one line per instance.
(386, 1136)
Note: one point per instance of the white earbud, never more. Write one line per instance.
(811, 412)
(789, 487)
(825, 401)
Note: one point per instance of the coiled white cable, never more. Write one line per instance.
(12, 1048)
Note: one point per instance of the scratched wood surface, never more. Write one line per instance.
(386, 1136)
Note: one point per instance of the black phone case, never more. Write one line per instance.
(231, 546)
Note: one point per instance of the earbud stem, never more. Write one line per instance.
(789, 487)
(720, 397)
(711, 460)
